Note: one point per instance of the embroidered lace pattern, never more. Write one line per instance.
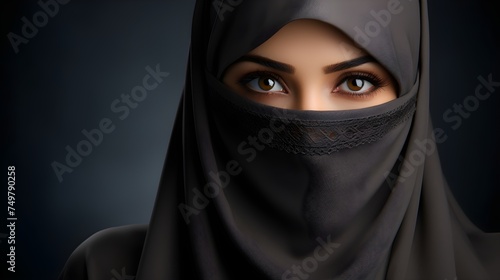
(317, 137)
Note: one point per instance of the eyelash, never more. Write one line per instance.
(375, 80)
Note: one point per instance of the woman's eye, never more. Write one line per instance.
(265, 84)
(356, 85)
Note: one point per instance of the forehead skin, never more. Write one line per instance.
(305, 37)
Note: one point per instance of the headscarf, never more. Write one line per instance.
(250, 191)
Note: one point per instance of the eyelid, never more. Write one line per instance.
(374, 79)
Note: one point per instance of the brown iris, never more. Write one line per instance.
(266, 83)
(355, 84)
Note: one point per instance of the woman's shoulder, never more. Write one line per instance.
(107, 254)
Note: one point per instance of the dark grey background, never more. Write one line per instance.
(65, 78)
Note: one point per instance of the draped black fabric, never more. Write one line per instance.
(250, 191)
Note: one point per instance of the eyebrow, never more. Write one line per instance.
(348, 64)
(287, 68)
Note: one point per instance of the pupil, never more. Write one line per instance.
(356, 84)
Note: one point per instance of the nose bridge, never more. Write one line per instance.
(311, 97)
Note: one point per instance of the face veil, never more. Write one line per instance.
(249, 191)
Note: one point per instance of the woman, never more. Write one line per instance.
(302, 149)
